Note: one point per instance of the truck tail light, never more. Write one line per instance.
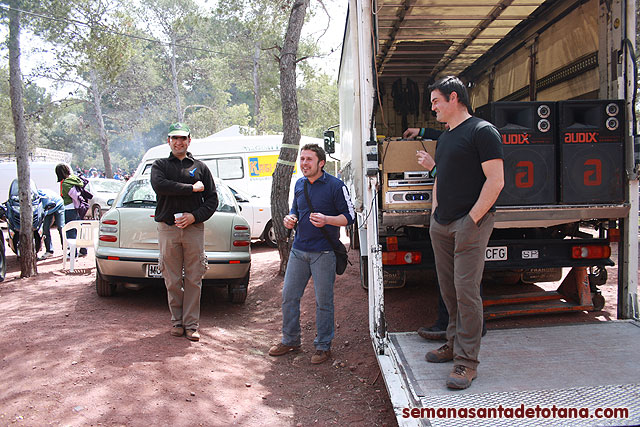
(590, 252)
(401, 258)
(392, 243)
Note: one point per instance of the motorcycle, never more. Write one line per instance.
(12, 214)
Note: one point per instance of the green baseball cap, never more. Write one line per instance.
(179, 129)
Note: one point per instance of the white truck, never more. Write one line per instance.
(558, 79)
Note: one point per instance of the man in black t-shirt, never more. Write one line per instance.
(469, 180)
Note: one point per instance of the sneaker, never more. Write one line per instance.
(443, 354)
(281, 349)
(45, 255)
(433, 333)
(193, 335)
(177, 331)
(461, 377)
(320, 356)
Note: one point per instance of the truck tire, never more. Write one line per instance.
(104, 288)
(354, 237)
(598, 301)
(270, 235)
(364, 272)
(238, 291)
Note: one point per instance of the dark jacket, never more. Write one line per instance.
(172, 181)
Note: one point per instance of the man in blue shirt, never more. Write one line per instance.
(54, 208)
(312, 254)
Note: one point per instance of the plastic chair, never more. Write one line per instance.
(86, 237)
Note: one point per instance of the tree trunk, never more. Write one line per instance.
(256, 89)
(174, 81)
(28, 266)
(291, 131)
(97, 108)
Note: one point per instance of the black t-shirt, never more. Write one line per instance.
(459, 156)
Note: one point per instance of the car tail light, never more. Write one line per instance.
(240, 227)
(241, 243)
(108, 238)
(401, 258)
(590, 252)
(110, 221)
(241, 235)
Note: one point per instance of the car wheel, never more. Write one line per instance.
(96, 212)
(270, 235)
(238, 291)
(104, 288)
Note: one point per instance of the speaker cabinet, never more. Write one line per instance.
(591, 133)
(528, 131)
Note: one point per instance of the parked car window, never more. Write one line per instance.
(106, 186)
(140, 193)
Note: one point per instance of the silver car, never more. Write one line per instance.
(127, 250)
(103, 190)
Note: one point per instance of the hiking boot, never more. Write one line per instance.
(281, 349)
(193, 335)
(320, 356)
(443, 354)
(177, 331)
(461, 377)
(433, 333)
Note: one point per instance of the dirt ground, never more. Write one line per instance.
(70, 357)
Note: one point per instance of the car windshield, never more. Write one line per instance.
(106, 186)
(140, 193)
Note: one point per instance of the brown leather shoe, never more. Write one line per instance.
(461, 377)
(432, 333)
(282, 349)
(193, 335)
(320, 356)
(443, 354)
(177, 331)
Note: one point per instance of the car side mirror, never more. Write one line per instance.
(110, 202)
(329, 141)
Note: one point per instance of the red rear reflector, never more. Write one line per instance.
(115, 258)
(590, 252)
(110, 221)
(401, 258)
(392, 243)
(234, 262)
(240, 227)
(241, 243)
(108, 238)
(614, 235)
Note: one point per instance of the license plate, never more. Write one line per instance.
(496, 253)
(153, 270)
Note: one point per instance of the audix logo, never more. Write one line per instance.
(193, 172)
(580, 137)
(515, 138)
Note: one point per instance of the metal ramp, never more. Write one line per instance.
(590, 366)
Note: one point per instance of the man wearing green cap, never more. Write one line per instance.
(186, 198)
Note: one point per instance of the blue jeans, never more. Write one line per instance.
(46, 228)
(302, 266)
(72, 215)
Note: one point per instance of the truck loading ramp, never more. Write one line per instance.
(569, 366)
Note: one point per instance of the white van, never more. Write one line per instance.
(43, 174)
(246, 163)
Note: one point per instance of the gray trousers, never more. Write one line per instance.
(183, 249)
(459, 249)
